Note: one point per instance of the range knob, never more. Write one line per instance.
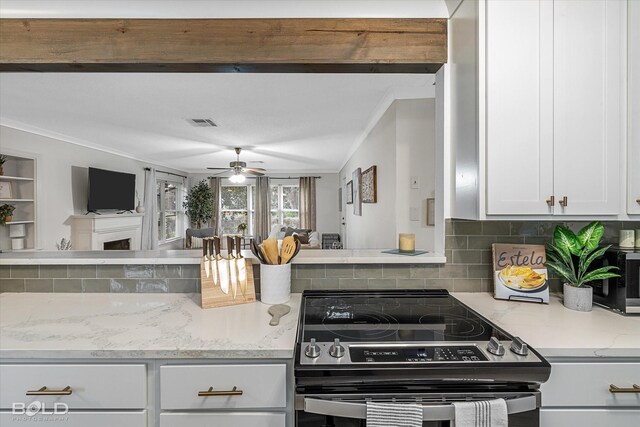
(519, 347)
(495, 347)
(313, 349)
(336, 350)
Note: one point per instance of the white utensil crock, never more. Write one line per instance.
(275, 283)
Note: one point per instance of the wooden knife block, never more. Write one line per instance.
(212, 295)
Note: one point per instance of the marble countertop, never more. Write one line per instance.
(556, 331)
(141, 326)
(308, 256)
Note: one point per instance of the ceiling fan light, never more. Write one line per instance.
(237, 179)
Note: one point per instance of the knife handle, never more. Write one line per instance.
(205, 245)
(238, 246)
(211, 248)
(216, 245)
(229, 246)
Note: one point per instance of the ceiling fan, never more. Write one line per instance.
(239, 168)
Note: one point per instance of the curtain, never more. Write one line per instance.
(308, 203)
(150, 218)
(262, 209)
(214, 222)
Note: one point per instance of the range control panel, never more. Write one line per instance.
(416, 354)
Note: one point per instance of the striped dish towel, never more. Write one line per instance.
(393, 415)
(483, 413)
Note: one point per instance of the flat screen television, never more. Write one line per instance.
(111, 190)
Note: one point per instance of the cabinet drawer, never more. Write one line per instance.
(262, 386)
(589, 417)
(77, 419)
(254, 419)
(587, 384)
(92, 386)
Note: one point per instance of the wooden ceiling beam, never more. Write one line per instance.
(223, 45)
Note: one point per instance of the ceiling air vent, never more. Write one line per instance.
(203, 123)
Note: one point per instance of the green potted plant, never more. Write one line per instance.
(6, 213)
(3, 160)
(571, 255)
(242, 228)
(198, 204)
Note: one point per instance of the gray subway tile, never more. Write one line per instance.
(183, 285)
(482, 242)
(439, 284)
(524, 228)
(123, 285)
(480, 271)
(367, 271)
(5, 271)
(152, 286)
(144, 271)
(467, 285)
(465, 256)
(190, 271)
(487, 285)
(53, 271)
(38, 285)
(486, 257)
(455, 242)
(392, 271)
(110, 272)
(466, 228)
(96, 285)
(450, 271)
(82, 271)
(310, 271)
(448, 227)
(425, 270)
(320, 284)
(167, 271)
(349, 284)
(382, 284)
(67, 285)
(11, 285)
(24, 272)
(410, 283)
(500, 228)
(339, 270)
(299, 285)
(536, 240)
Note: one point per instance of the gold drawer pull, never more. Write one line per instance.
(210, 392)
(44, 391)
(633, 389)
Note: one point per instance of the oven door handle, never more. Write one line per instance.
(342, 409)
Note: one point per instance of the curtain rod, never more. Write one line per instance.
(168, 173)
(281, 177)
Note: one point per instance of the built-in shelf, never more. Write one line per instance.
(16, 200)
(19, 222)
(14, 178)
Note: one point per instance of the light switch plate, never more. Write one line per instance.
(415, 182)
(414, 214)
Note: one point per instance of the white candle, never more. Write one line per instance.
(638, 238)
(626, 239)
(407, 242)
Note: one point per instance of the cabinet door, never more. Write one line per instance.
(633, 185)
(519, 118)
(588, 97)
(589, 417)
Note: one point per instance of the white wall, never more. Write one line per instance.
(327, 220)
(401, 145)
(62, 178)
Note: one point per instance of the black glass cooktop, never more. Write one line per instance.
(391, 316)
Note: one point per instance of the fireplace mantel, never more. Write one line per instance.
(90, 232)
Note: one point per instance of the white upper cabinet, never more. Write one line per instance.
(633, 188)
(588, 56)
(519, 122)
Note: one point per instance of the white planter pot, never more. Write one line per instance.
(579, 299)
(275, 283)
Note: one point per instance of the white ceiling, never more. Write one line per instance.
(291, 122)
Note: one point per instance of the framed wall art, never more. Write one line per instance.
(6, 190)
(357, 192)
(370, 185)
(349, 193)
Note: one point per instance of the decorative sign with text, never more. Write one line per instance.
(519, 272)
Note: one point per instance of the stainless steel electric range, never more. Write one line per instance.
(401, 346)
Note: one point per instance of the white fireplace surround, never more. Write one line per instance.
(90, 232)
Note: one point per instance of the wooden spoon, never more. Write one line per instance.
(270, 247)
(288, 249)
(277, 311)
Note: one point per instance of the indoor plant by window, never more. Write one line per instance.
(199, 204)
(242, 228)
(571, 255)
(6, 213)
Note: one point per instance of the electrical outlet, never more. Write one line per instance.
(415, 182)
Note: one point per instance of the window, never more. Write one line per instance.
(237, 207)
(285, 200)
(169, 213)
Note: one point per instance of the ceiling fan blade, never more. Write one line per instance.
(220, 173)
(255, 169)
(225, 169)
(252, 172)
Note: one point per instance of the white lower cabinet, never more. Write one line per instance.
(578, 394)
(76, 419)
(254, 419)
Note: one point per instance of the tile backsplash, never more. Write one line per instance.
(468, 267)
